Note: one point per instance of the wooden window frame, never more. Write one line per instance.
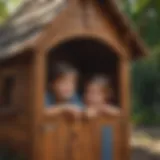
(10, 109)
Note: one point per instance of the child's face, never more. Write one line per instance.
(94, 94)
(65, 86)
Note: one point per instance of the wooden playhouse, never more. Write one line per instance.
(93, 35)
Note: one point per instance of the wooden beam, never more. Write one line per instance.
(124, 82)
(124, 95)
(37, 84)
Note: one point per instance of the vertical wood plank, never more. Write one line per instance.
(86, 141)
(49, 141)
(117, 141)
(76, 143)
(37, 90)
(94, 135)
(124, 83)
(124, 96)
(63, 140)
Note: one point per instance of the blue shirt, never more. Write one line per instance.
(50, 100)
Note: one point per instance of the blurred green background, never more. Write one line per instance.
(145, 15)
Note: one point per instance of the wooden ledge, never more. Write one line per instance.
(53, 114)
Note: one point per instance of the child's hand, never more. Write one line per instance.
(91, 113)
(72, 111)
(110, 110)
(54, 111)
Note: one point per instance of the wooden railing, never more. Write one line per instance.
(69, 137)
(66, 138)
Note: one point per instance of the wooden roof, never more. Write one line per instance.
(28, 21)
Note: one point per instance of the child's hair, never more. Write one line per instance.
(100, 79)
(60, 69)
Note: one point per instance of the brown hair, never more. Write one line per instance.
(102, 80)
(60, 69)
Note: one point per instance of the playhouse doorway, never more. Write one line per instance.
(89, 56)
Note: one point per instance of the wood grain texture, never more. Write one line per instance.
(124, 95)
(72, 140)
(80, 138)
(70, 25)
(14, 120)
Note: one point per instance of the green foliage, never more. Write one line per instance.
(146, 73)
(3, 11)
(7, 7)
(146, 90)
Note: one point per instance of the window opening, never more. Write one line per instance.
(6, 92)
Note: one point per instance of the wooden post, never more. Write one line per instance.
(124, 95)
(37, 84)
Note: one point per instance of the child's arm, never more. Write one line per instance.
(90, 112)
(109, 109)
(73, 111)
(69, 110)
(54, 110)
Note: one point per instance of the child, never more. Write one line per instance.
(97, 94)
(63, 86)
(96, 97)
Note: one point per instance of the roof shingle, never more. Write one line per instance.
(26, 23)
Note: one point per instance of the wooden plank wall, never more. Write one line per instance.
(14, 121)
(79, 139)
